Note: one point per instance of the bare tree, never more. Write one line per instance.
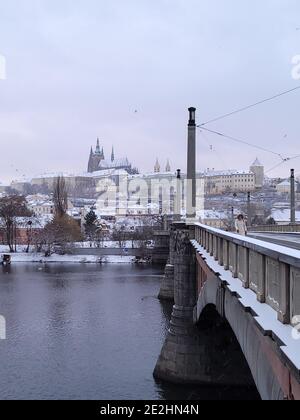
(11, 209)
(60, 196)
(120, 235)
(31, 225)
(59, 235)
(100, 237)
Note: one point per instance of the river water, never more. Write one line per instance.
(86, 332)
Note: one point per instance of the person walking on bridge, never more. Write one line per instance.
(241, 225)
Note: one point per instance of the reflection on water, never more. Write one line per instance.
(85, 332)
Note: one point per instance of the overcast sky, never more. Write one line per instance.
(78, 70)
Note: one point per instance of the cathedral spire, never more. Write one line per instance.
(113, 154)
(168, 167)
(98, 147)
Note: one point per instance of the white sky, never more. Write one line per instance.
(78, 69)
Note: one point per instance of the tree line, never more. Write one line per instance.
(61, 232)
(58, 233)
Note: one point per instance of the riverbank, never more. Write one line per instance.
(90, 255)
(87, 259)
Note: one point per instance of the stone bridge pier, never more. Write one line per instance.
(205, 352)
(167, 285)
(235, 320)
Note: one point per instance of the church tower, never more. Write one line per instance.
(113, 155)
(168, 167)
(98, 151)
(95, 158)
(157, 167)
(259, 171)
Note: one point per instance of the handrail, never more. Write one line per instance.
(282, 253)
(288, 228)
(271, 271)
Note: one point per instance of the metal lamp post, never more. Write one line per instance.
(191, 167)
(293, 198)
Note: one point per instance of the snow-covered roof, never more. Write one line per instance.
(212, 214)
(39, 200)
(53, 175)
(101, 173)
(257, 163)
(105, 173)
(154, 175)
(117, 163)
(230, 172)
(285, 183)
(21, 181)
(284, 215)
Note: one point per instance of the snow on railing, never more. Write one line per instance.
(271, 271)
(289, 228)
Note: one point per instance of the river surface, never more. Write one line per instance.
(86, 332)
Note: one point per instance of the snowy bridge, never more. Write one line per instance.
(236, 313)
(287, 228)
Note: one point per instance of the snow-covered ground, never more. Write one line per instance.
(105, 244)
(87, 259)
(5, 250)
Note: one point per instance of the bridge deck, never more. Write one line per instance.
(290, 240)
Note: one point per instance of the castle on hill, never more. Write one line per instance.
(97, 161)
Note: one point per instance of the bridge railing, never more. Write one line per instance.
(270, 271)
(276, 228)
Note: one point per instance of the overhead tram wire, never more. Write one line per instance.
(282, 163)
(274, 167)
(249, 106)
(283, 159)
(220, 156)
(242, 142)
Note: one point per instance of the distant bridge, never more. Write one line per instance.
(236, 312)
